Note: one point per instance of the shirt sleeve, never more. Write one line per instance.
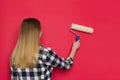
(54, 60)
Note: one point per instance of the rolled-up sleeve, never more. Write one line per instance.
(54, 60)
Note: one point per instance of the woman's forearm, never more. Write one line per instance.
(75, 46)
(72, 53)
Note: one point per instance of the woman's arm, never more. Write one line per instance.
(54, 60)
(50, 57)
(75, 46)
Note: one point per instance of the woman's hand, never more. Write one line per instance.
(76, 45)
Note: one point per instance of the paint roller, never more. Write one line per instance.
(80, 28)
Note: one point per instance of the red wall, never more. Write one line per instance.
(99, 55)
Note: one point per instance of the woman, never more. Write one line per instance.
(32, 61)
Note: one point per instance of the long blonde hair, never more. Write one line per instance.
(25, 53)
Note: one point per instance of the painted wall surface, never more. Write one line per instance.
(99, 55)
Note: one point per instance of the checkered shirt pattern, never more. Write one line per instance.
(47, 60)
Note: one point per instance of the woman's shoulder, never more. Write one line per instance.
(44, 52)
(44, 48)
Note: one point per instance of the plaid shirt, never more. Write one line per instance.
(47, 60)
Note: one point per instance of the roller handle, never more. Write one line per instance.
(77, 37)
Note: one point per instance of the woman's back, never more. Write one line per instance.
(43, 71)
